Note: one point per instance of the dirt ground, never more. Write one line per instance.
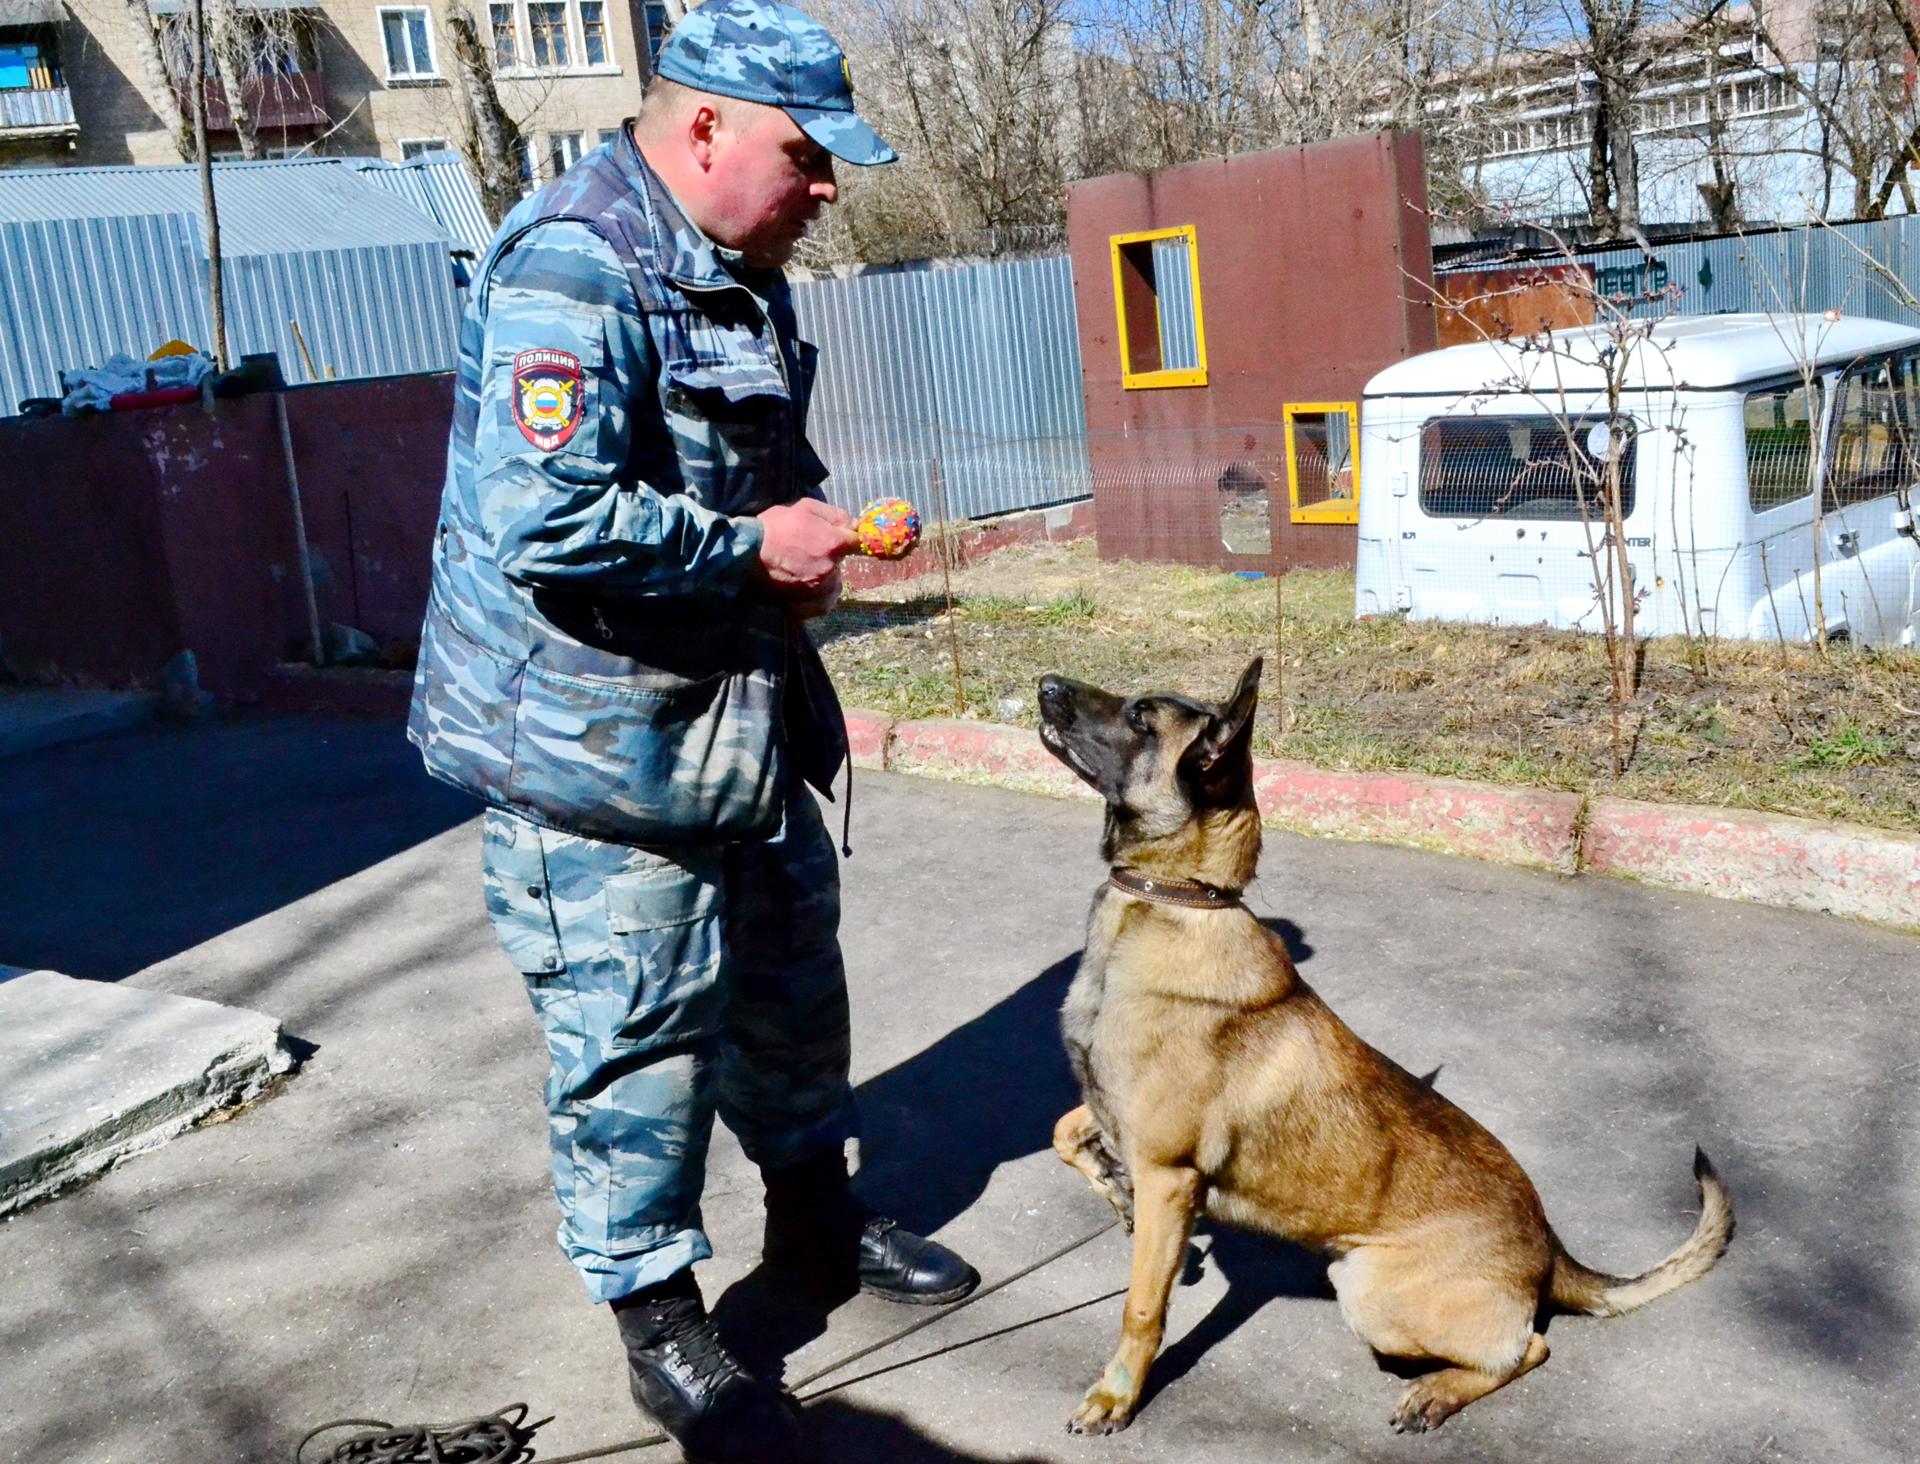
(1832, 735)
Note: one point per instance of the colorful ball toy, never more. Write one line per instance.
(888, 528)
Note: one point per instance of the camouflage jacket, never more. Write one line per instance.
(595, 656)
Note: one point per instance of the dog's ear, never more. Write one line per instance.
(1234, 724)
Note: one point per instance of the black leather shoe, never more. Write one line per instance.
(686, 1381)
(818, 1230)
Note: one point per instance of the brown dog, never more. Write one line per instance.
(1215, 1079)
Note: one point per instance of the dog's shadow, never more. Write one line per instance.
(1257, 1269)
(938, 1126)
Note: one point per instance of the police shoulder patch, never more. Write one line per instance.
(547, 402)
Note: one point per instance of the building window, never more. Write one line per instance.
(657, 27)
(280, 52)
(609, 135)
(1156, 297)
(506, 35)
(1323, 462)
(547, 25)
(551, 35)
(593, 31)
(409, 43)
(420, 147)
(563, 151)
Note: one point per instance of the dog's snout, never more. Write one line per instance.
(1055, 695)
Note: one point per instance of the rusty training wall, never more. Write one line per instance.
(1315, 272)
(129, 537)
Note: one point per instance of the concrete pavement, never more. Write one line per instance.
(376, 1240)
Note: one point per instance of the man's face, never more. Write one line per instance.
(767, 181)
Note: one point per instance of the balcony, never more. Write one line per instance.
(37, 112)
(276, 99)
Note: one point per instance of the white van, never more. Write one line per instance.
(1473, 496)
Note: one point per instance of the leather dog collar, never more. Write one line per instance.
(1188, 894)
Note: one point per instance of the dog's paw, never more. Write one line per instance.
(1422, 1408)
(1101, 1413)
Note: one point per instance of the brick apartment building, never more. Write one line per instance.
(321, 77)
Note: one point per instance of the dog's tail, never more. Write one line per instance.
(1577, 1289)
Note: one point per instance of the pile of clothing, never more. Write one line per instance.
(94, 388)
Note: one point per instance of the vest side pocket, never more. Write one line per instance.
(464, 698)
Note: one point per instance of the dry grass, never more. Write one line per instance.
(1738, 724)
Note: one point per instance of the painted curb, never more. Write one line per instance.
(1769, 859)
(981, 751)
(1534, 827)
(1842, 869)
(867, 736)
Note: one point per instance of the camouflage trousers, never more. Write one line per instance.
(673, 983)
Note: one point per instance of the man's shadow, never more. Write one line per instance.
(938, 1126)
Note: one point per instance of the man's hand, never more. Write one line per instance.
(801, 545)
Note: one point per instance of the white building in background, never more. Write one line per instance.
(1528, 154)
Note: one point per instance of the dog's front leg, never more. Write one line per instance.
(1165, 1200)
(1079, 1141)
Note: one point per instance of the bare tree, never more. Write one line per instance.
(977, 85)
(491, 140)
(235, 49)
(1616, 53)
(148, 43)
(1854, 71)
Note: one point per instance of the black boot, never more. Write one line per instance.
(817, 1229)
(686, 1381)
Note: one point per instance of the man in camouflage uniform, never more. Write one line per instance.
(631, 532)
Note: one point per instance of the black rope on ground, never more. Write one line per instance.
(965, 1342)
(504, 1437)
(510, 1438)
(981, 1295)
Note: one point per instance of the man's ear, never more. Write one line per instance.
(1234, 723)
(702, 128)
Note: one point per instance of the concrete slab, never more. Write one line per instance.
(92, 1074)
(377, 1241)
(33, 717)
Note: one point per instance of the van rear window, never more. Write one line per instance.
(1520, 467)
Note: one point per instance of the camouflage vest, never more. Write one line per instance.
(609, 704)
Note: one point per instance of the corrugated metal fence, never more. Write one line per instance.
(379, 310)
(77, 291)
(74, 291)
(99, 261)
(1870, 269)
(973, 367)
(1173, 298)
(440, 186)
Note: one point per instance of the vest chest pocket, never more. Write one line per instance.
(731, 423)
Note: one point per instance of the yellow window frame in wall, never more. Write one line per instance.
(1195, 375)
(1331, 510)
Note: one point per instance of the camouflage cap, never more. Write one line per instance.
(762, 51)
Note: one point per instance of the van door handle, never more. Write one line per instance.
(1848, 542)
